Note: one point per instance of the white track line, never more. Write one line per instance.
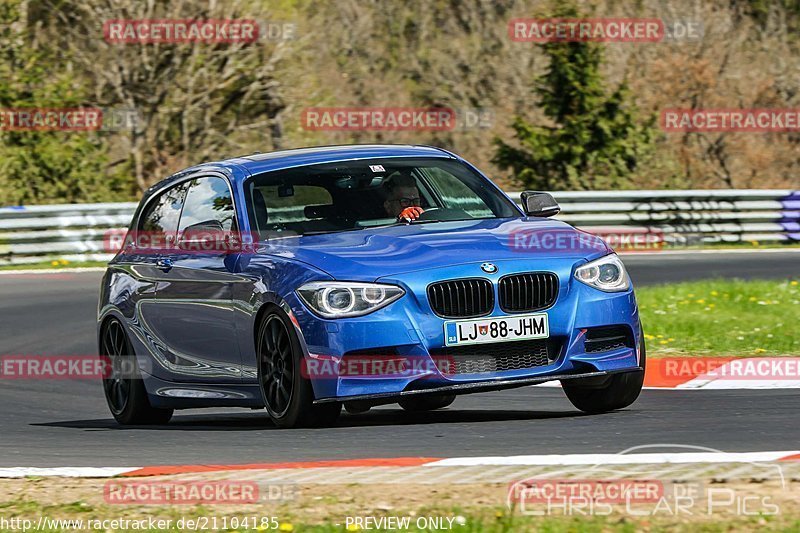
(317, 474)
(615, 459)
(702, 383)
(76, 270)
(65, 471)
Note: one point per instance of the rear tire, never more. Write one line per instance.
(123, 386)
(427, 403)
(610, 393)
(287, 393)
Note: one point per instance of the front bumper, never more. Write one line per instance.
(473, 387)
(409, 329)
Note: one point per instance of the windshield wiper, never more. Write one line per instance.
(392, 225)
(332, 231)
(413, 223)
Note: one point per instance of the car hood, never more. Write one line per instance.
(368, 254)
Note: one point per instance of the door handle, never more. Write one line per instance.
(164, 264)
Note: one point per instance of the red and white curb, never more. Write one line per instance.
(404, 463)
(719, 373)
(723, 373)
(139, 471)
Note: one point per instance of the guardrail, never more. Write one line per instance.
(686, 217)
(76, 231)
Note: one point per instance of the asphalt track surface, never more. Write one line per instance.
(66, 423)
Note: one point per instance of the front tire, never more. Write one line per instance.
(610, 393)
(123, 386)
(287, 393)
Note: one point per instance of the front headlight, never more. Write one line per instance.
(339, 299)
(607, 274)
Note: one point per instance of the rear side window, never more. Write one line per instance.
(208, 206)
(160, 216)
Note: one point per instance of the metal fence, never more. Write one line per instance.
(79, 232)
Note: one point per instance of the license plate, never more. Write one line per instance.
(509, 328)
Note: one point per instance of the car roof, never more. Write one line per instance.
(265, 162)
(269, 161)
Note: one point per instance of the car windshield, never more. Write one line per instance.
(352, 195)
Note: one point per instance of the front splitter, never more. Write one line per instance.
(474, 387)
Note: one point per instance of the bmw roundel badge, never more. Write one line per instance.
(489, 268)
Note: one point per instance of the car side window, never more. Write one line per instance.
(286, 204)
(456, 194)
(159, 219)
(208, 206)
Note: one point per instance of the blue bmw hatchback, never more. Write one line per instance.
(305, 280)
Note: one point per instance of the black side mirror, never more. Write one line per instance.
(208, 236)
(539, 204)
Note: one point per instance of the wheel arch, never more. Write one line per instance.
(103, 322)
(275, 302)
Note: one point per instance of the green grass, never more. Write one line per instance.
(722, 317)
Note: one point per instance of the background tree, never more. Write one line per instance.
(194, 101)
(203, 101)
(41, 167)
(594, 140)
